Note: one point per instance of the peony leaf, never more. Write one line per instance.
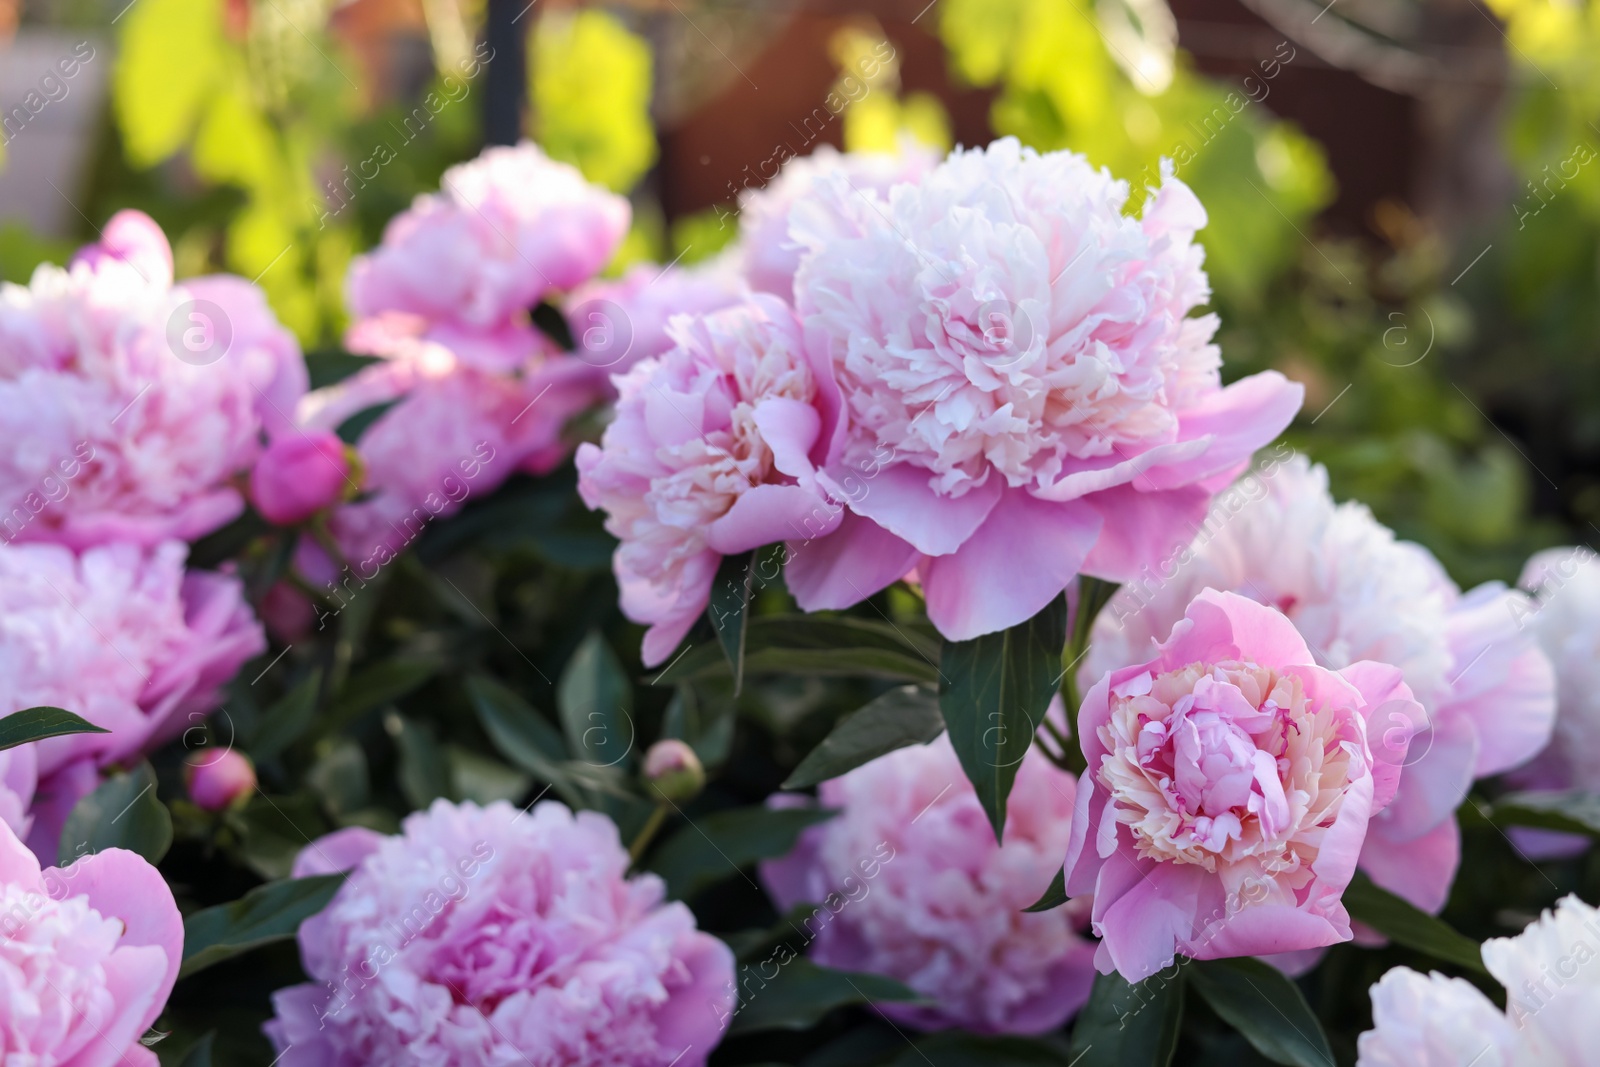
(268, 913)
(1260, 1002)
(729, 610)
(905, 716)
(1572, 811)
(382, 683)
(1054, 896)
(1129, 1025)
(521, 734)
(35, 724)
(994, 691)
(951, 1048)
(284, 722)
(124, 812)
(1405, 924)
(351, 429)
(595, 699)
(721, 845)
(802, 993)
(424, 773)
(826, 646)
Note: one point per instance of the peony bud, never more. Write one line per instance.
(672, 770)
(299, 475)
(218, 779)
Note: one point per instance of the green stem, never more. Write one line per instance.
(647, 834)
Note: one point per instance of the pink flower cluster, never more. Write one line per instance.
(1010, 390)
(489, 935)
(907, 881)
(88, 956)
(1229, 786)
(139, 398)
(1356, 593)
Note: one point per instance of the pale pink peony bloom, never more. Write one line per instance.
(1565, 620)
(907, 881)
(768, 255)
(712, 453)
(218, 778)
(134, 402)
(506, 231)
(454, 432)
(299, 475)
(1356, 593)
(1551, 973)
(1229, 785)
(488, 935)
(123, 637)
(617, 322)
(89, 953)
(1026, 395)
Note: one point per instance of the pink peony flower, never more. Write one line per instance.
(134, 402)
(19, 776)
(1229, 784)
(768, 253)
(122, 636)
(1026, 397)
(712, 453)
(616, 323)
(299, 475)
(488, 935)
(907, 881)
(1356, 593)
(507, 230)
(454, 432)
(1552, 991)
(89, 952)
(218, 778)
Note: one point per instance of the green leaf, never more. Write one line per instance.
(826, 646)
(521, 734)
(124, 812)
(905, 716)
(1407, 925)
(377, 685)
(351, 429)
(801, 993)
(707, 729)
(199, 1054)
(268, 913)
(718, 846)
(1260, 1002)
(994, 691)
(274, 829)
(1129, 1025)
(1571, 810)
(1054, 896)
(424, 774)
(171, 60)
(729, 610)
(595, 699)
(330, 366)
(287, 720)
(35, 724)
(955, 1049)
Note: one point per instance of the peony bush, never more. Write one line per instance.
(900, 637)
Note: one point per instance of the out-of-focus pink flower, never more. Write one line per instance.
(1026, 395)
(1565, 620)
(90, 953)
(299, 475)
(617, 323)
(908, 882)
(766, 252)
(122, 636)
(712, 453)
(1356, 593)
(485, 935)
(505, 231)
(1230, 781)
(454, 431)
(19, 776)
(218, 778)
(1552, 993)
(133, 401)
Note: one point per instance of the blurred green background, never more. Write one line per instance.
(1405, 210)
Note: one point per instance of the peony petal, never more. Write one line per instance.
(1267, 930)
(1419, 869)
(123, 885)
(1142, 529)
(342, 850)
(899, 498)
(1025, 553)
(790, 428)
(858, 559)
(136, 984)
(1236, 421)
(1142, 930)
(1501, 680)
(767, 514)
